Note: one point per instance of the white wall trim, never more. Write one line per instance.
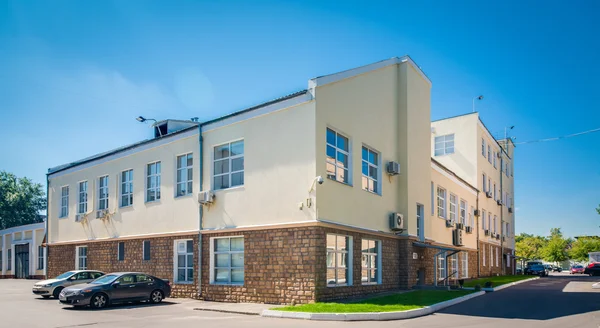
(23, 228)
(120, 238)
(276, 106)
(129, 152)
(335, 77)
(453, 179)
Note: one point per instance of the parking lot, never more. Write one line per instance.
(557, 301)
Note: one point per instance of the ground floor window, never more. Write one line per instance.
(496, 256)
(454, 266)
(371, 250)
(339, 259)
(464, 265)
(9, 259)
(40, 264)
(491, 256)
(81, 257)
(184, 261)
(483, 253)
(227, 255)
(441, 266)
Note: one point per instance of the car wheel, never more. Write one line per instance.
(57, 291)
(156, 296)
(46, 296)
(99, 301)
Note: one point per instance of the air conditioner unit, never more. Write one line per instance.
(460, 226)
(468, 229)
(498, 236)
(488, 194)
(457, 237)
(206, 197)
(79, 217)
(101, 213)
(476, 213)
(499, 202)
(393, 168)
(397, 222)
(510, 210)
(486, 232)
(449, 223)
(503, 238)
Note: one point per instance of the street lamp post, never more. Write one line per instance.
(478, 98)
(142, 119)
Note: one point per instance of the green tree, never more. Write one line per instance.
(21, 200)
(555, 249)
(582, 246)
(529, 246)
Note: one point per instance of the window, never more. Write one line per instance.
(64, 201)
(229, 165)
(508, 261)
(484, 183)
(1, 259)
(494, 158)
(40, 264)
(370, 261)
(483, 253)
(489, 154)
(454, 266)
(483, 220)
(464, 264)
(441, 202)
(127, 188)
(83, 198)
(444, 145)
(103, 193)
(483, 147)
(339, 259)
(81, 257)
(508, 229)
(491, 256)
(441, 266)
(495, 197)
(184, 261)
(228, 259)
(142, 278)
(185, 175)
(496, 248)
(370, 170)
(489, 223)
(463, 212)
(338, 157)
(146, 250)
(95, 275)
(153, 182)
(9, 259)
(453, 208)
(432, 200)
(489, 184)
(495, 229)
(126, 280)
(420, 222)
(121, 251)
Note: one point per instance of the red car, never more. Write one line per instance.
(577, 269)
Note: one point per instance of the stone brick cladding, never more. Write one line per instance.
(491, 268)
(425, 262)
(102, 256)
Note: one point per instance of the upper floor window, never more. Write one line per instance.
(495, 192)
(489, 153)
(337, 157)
(463, 212)
(495, 225)
(127, 188)
(484, 182)
(483, 222)
(184, 174)
(471, 217)
(444, 145)
(370, 170)
(64, 201)
(153, 181)
(494, 157)
(103, 193)
(83, 197)
(441, 202)
(229, 165)
(453, 208)
(483, 147)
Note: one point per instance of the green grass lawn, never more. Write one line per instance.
(496, 281)
(398, 302)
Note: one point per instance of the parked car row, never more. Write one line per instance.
(98, 290)
(537, 270)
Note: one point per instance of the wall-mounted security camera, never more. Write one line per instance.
(320, 179)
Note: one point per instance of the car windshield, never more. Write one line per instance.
(105, 279)
(537, 267)
(65, 275)
(578, 267)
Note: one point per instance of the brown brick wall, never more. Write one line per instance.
(425, 262)
(102, 256)
(487, 269)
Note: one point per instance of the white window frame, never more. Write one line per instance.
(464, 265)
(483, 147)
(421, 222)
(82, 199)
(230, 267)
(126, 182)
(40, 258)
(186, 183)
(64, 202)
(495, 192)
(348, 265)
(483, 253)
(495, 223)
(102, 188)
(484, 182)
(188, 266)
(78, 257)
(153, 179)
(489, 154)
(491, 256)
(453, 207)
(367, 268)
(496, 248)
(441, 266)
(230, 158)
(441, 202)
(374, 180)
(494, 159)
(483, 225)
(347, 170)
(463, 211)
(454, 266)
(444, 145)
(490, 221)
(120, 256)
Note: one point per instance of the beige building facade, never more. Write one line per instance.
(22, 255)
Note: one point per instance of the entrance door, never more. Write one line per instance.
(22, 261)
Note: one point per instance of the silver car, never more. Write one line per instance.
(53, 287)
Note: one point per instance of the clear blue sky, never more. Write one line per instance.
(75, 74)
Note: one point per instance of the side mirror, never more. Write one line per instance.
(72, 278)
(116, 284)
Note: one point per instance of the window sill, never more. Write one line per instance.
(183, 283)
(150, 202)
(230, 188)
(184, 196)
(339, 285)
(372, 193)
(226, 284)
(340, 182)
(126, 207)
(370, 283)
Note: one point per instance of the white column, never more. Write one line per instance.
(33, 254)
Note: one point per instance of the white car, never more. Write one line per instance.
(53, 287)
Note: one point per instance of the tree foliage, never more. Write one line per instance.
(582, 246)
(529, 246)
(555, 248)
(21, 200)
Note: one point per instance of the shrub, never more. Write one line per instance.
(477, 288)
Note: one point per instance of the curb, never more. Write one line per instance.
(596, 285)
(227, 311)
(501, 287)
(370, 316)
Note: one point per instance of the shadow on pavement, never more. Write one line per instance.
(123, 306)
(541, 299)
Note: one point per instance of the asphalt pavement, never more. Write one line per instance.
(556, 301)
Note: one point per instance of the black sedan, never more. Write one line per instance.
(593, 269)
(537, 270)
(117, 287)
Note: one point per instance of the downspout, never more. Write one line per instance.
(478, 249)
(200, 212)
(501, 217)
(46, 228)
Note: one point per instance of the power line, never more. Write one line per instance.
(558, 138)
